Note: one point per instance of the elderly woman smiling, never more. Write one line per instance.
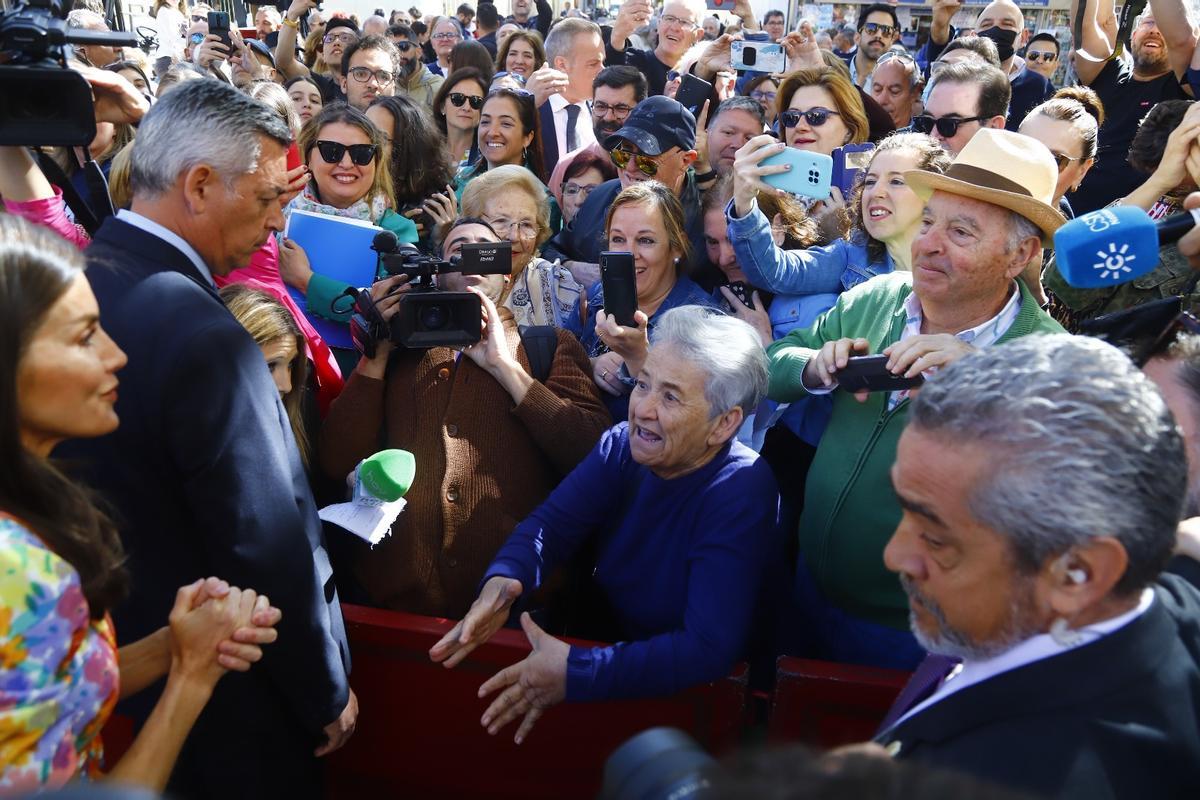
(683, 517)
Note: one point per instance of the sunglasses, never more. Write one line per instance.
(1063, 160)
(360, 154)
(458, 98)
(196, 38)
(872, 28)
(816, 117)
(404, 45)
(947, 127)
(646, 165)
(1036, 55)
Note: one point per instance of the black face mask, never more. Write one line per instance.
(1004, 40)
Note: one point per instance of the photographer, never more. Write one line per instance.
(491, 441)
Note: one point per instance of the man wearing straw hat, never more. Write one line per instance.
(984, 220)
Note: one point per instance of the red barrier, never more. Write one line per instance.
(828, 705)
(419, 733)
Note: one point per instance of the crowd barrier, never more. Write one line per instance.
(419, 733)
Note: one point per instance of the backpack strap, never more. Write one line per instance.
(541, 343)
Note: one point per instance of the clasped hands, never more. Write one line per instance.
(526, 688)
(215, 627)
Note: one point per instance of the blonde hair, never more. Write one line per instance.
(277, 99)
(659, 198)
(267, 320)
(118, 177)
(845, 97)
(348, 115)
(497, 182)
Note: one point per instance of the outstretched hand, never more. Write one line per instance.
(486, 616)
(528, 687)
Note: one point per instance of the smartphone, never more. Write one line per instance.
(218, 25)
(744, 292)
(848, 161)
(757, 56)
(619, 285)
(871, 373)
(293, 157)
(809, 176)
(693, 92)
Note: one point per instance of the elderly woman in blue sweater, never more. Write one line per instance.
(684, 518)
(885, 216)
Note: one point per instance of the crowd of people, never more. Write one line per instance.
(1016, 517)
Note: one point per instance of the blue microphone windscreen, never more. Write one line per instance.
(1107, 247)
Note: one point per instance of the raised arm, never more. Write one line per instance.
(285, 48)
(1098, 41)
(1172, 20)
(631, 15)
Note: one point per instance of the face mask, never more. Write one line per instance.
(1004, 40)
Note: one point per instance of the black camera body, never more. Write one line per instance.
(428, 316)
(42, 102)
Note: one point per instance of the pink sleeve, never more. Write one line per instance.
(51, 212)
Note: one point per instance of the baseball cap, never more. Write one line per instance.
(656, 125)
(341, 22)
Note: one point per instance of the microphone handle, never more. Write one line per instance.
(1171, 229)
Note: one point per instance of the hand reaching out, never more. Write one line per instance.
(486, 616)
(528, 687)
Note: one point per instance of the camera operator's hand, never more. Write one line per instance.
(210, 51)
(492, 353)
(115, 99)
(293, 265)
(386, 294)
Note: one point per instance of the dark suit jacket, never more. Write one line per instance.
(205, 479)
(550, 154)
(1117, 718)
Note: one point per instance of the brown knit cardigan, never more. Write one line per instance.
(483, 464)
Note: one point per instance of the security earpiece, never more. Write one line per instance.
(1076, 576)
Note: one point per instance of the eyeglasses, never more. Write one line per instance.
(332, 152)
(458, 98)
(762, 97)
(671, 19)
(947, 127)
(577, 190)
(1040, 55)
(445, 37)
(199, 18)
(524, 228)
(1063, 160)
(196, 38)
(343, 38)
(364, 74)
(516, 76)
(873, 28)
(647, 165)
(816, 117)
(602, 109)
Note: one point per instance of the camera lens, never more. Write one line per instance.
(434, 317)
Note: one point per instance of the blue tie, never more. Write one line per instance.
(572, 118)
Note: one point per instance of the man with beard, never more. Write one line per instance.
(615, 92)
(878, 30)
(1128, 89)
(414, 79)
(1041, 483)
(1003, 23)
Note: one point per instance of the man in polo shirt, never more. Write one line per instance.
(984, 221)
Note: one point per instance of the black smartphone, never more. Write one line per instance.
(218, 25)
(692, 94)
(744, 292)
(618, 281)
(871, 373)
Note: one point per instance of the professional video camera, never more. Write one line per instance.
(428, 316)
(42, 102)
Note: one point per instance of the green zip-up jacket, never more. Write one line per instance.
(850, 509)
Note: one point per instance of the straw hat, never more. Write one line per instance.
(1002, 168)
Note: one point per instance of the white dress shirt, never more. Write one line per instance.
(170, 237)
(583, 126)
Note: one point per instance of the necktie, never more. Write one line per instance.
(572, 118)
(929, 675)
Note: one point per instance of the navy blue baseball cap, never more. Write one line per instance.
(656, 125)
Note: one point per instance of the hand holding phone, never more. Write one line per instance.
(870, 374)
(809, 176)
(618, 282)
(693, 92)
(218, 25)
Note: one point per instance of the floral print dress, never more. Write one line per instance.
(58, 668)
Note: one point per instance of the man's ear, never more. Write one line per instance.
(689, 157)
(560, 63)
(345, 86)
(995, 122)
(1025, 252)
(198, 186)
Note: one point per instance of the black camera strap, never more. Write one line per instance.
(541, 343)
(97, 188)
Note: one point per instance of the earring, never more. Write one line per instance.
(1063, 636)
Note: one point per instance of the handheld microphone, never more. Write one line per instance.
(1115, 245)
(384, 477)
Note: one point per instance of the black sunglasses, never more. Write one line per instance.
(404, 45)
(360, 154)
(458, 98)
(1035, 56)
(874, 27)
(816, 117)
(947, 127)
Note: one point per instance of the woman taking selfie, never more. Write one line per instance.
(62, 558)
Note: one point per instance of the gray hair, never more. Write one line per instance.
(201, 122)
(1080, 444)
(561, 38)
(739, 102)
(1020, 228)
(725, 348)
(83, 18)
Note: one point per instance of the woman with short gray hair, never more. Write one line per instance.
(683, 518)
